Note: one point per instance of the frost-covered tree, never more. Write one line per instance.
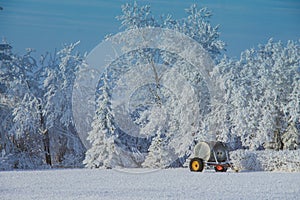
(159, 153)
(260, 93)
(291, 137)
(26, 110)
(57, 109)
(59, 83)
(160, 124)
(29, 149)
(20, 84)
(6, 104)
(195, 25)
(103, 153)
(175, 121)
(135, 16)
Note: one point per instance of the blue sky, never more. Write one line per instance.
(48, 24)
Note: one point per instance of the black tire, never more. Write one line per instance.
(196, 165)
(220, 168)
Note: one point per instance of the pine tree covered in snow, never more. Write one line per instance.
(291, 137)
(103, 153)
(160, 153)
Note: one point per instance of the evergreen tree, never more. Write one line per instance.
(103, 152)
(159, 153)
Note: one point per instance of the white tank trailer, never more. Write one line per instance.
(213, 154)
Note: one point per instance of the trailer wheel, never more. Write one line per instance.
(196, 165)
(220, 168)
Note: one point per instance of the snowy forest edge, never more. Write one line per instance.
(257, 116)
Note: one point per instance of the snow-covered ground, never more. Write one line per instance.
(140, 184)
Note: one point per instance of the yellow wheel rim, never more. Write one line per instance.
(195, 165)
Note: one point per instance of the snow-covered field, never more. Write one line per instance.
(140, 184)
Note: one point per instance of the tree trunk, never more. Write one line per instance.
(46, 139)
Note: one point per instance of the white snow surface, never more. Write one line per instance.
(142, 184)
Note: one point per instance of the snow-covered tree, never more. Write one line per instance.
(195, 25)
(291, 137)
(160, 153)
(103, 153)
(6, 104)
(174, 117)
(20, 79)
(57, 110)
(260, 93)
(29, 149)
(26, 110)
(135, 16)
